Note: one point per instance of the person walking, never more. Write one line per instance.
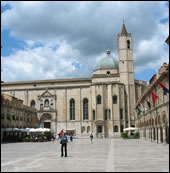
(91, 137)
(71, 138)
(63, 143)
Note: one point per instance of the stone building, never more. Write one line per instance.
(153, 122)
(14, 114)
(102, 105)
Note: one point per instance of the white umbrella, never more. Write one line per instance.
(16, 129)
(32, 130)
(8, 129)
(39, 130)
(26, 130)
(2, 129)
(130, 128)
(47, 130)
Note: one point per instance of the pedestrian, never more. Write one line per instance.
(91, 137)
(63, 143)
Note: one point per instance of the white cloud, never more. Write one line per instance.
(40, 63)
(63, 38)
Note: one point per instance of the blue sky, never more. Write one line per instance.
(67, 39)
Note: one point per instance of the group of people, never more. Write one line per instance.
(64, 141)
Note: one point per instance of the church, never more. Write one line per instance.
(103, 104)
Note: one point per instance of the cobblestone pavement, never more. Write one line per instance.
(103, 155)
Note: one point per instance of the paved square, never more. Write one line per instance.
(104, 155)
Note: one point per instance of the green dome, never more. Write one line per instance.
(107, 63)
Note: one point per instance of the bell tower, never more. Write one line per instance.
(126, 70)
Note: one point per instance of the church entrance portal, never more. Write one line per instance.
(100, 128)
(46, 120)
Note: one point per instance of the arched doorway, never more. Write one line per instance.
(45, 121)
(99, 129)
(100, 132)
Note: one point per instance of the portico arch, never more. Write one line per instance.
(166, 126)
(45, 120)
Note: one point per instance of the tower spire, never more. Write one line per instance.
(124, 32)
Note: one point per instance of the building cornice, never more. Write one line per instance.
(47, 81)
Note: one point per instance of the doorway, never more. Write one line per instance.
(99, 129)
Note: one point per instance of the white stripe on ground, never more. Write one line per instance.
(110, 166)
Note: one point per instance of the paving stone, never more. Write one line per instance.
(104, 155)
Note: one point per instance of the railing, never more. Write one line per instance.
(128, 34)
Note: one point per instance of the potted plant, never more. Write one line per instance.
(31, 139)
(25, 139)
(124, 135)
(136, 135)
(39, 139)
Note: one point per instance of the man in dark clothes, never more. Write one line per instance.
(91, 137)
(63, 143)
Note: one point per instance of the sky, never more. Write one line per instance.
(66, 39)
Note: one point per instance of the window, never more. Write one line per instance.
(115, 128)
(21, 118)
(98, 99)
(121, 113)
(105, 115)
(85, 109)
(83, 129)
(109, 114)
(33, 104)
(114, 99)
(72, 109)
(17, 117)
(13, 117)
(163, 98)
(2, 116)
(128, 44)
(41, 106)
(93, 114)
(46, 102)
(121, 128)
(8, 117)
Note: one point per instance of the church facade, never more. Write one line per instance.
(103, 104)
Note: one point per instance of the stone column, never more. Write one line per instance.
(153, 134)
(147, 136)
(143, 131)
(159, 136)
(156, 139)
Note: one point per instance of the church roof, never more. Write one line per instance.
(107, 63)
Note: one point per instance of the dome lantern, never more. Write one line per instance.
(108, 52)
